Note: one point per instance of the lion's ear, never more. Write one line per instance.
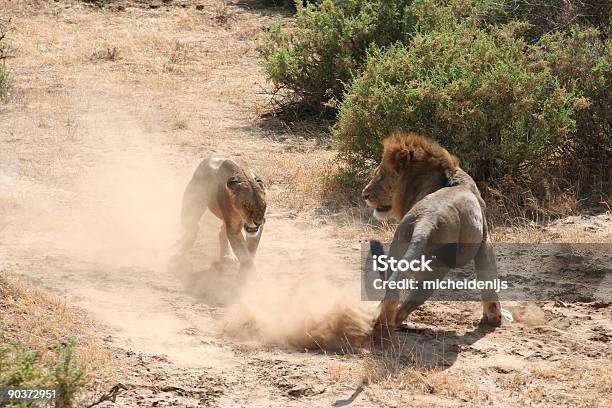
(258, 180)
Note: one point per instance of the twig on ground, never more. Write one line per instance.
(109, 396)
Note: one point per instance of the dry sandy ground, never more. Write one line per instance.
(110, 111)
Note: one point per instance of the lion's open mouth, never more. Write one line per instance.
(251, 230)
(383, 209)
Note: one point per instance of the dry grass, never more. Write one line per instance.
(33, 317)
(399, 375)
(570, 383)
(105, 54)
(306, 188)
(387, 380)
(295, 177)
(573, 229)
(391, 383)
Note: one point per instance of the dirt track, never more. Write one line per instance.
(95, 156)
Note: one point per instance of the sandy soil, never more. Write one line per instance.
(110, 111)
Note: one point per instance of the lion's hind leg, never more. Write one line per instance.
(416, 297)
(486, 270)
(387, 318)
(195, 202)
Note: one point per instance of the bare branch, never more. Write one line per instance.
(109, 396)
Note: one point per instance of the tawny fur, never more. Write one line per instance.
(235, 195)
(436, 204)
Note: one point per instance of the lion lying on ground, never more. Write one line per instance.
(237, 197)
(437, 204)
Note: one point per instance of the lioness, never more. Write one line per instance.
(437, 204)
(235, 195)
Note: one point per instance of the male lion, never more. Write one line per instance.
(235, 195)
(438, 207)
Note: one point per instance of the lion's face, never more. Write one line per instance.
(378, 194)
(249, 199)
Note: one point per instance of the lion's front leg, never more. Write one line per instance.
(225, 255)
(239, 247)
(241, 250)
(195, 203)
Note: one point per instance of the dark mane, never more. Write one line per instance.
(417, 151)
(423, 166)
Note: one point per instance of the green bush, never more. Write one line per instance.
(328, 45)
(583, 63)
(548, 16)
(518, 89)
(482, 94)
(2, 82)
(20, 366)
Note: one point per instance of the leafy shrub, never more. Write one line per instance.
(328, 45)
(479, 93)
(518, 89)
(21, 366)
(582, 62)
(548, 16)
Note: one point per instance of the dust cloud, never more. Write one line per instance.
(290, 308)
(309, 312)
(111, 203)
(121, 205)
(529, 314)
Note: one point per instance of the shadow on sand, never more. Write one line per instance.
(421, 348)
(425, 347)
(216, 285)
